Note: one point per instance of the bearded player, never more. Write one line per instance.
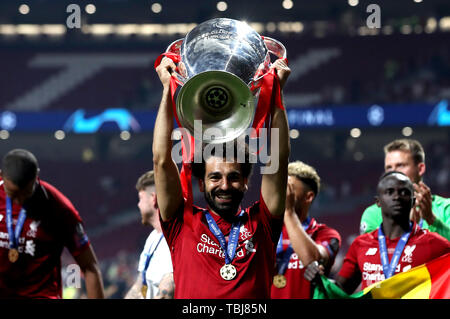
(397, 245)
(224, 250)
(155, 279)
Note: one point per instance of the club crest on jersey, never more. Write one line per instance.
(407, 258)
(244, 233)
(33, 228)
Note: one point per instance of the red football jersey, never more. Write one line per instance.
(297, 287)
(51, 224)
(363, 257)
(197, 256)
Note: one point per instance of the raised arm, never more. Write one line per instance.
(303, 245)
(273, 184)
(167, 178)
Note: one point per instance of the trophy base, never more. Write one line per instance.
(221, 100)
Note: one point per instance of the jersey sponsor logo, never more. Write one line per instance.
(372, 278)
(371, 251)
(4, 235)
(409, 249)
(26, 246)
(295, 262)
(208, 246)
(373, 273)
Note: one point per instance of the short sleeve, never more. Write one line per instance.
(330, 239)
(442, 222)
(64, 220)
(438, 245)
(75, 237)
(273, 224)
(72, 229)
(172, 227)
(350, 268)
(370, 219)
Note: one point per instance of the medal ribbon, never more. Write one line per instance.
(389, 268)
(147, 261)
(230, 248)
(270, 93)
(283, 257)
(14, 235)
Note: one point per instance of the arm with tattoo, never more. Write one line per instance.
(166, 287)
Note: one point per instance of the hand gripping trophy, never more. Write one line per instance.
(220, 67)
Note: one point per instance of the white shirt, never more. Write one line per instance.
(160, 263)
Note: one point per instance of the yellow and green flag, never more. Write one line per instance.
(428, 281)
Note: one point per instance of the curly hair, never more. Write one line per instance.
(305, 173)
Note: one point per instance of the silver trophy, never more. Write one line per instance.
(222, 63)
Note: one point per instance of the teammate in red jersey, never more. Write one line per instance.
(223, 251)
(397, 245)
(36, 223)
(304, 244)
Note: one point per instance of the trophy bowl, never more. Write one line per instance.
(220, 61)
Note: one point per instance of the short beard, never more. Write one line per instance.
(146, 219)
(227, 212)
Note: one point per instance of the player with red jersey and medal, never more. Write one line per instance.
(225, 250)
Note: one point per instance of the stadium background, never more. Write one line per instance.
(352, 90)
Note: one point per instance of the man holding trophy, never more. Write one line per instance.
(224, 250)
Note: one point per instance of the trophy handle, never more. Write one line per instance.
(175, 48)
(275, 47)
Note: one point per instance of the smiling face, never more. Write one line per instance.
(223, 185)
(395, 196)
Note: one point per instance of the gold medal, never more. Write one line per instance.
(279, 281)
(144, 291)
(228, 272)
(13, 255)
